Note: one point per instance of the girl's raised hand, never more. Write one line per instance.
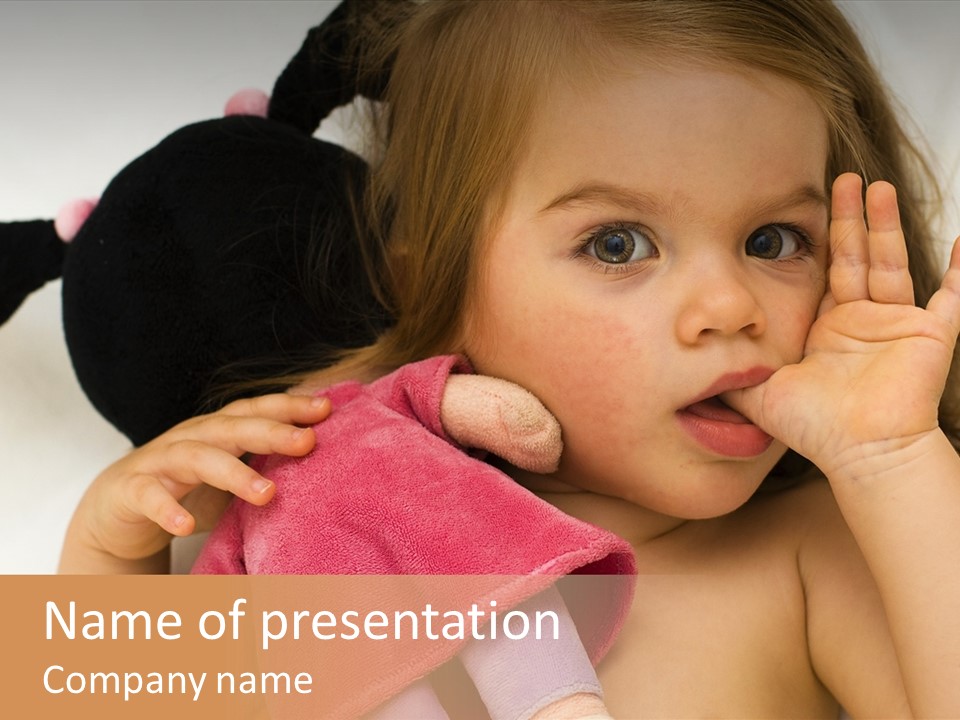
(181, 481)
(874, 365)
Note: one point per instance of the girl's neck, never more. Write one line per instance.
(635, 524)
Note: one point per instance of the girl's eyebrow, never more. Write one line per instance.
(600, 193)
(804, 195)
(645, 203)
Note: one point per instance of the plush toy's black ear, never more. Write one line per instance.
(200, 253)
(31, 254)
(324, 74)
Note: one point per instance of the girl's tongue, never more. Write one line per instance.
(715, 409)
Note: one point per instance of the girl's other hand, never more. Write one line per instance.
(180, 482)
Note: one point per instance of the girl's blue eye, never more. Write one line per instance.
(619, 245)
(773, 242)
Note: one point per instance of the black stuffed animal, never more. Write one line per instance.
(198, 254)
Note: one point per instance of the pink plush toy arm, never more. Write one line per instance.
(541, 682)
(495, 415)
(527, 679)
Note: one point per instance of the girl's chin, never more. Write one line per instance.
(708, 510)
(716, 490)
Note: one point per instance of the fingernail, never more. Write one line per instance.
(179, 520)
(298, 433)
(319, 402)
(258, 487)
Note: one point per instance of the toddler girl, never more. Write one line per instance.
(646, 213)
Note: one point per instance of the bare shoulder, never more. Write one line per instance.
(848, 635)
(727, 601)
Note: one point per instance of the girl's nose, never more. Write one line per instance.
(718, 302)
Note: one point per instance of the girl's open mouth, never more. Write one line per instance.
(713, 408)
(722, 430)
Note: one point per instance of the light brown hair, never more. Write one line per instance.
(468, 77)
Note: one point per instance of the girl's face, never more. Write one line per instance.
(664, 240)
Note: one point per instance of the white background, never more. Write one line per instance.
(85, 87)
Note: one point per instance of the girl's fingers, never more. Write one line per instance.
(849, 246)
(889, 278)
(282, 407)
(189, 463)
(150, 499)
(241, 435)
(868, 259)
(251, 427)
(945, 302)
(204, 452)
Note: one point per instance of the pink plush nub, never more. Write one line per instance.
(248, 102)
(492, 414)
(72, 216)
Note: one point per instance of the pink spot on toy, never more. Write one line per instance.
(72, 216)
(247, 102)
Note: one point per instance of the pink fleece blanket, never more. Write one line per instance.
(386, 492)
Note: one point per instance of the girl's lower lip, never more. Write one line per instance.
(720, 436)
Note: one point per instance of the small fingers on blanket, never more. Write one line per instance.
(189, 463)
(276, 423)
(148, 498)
(286, 408)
